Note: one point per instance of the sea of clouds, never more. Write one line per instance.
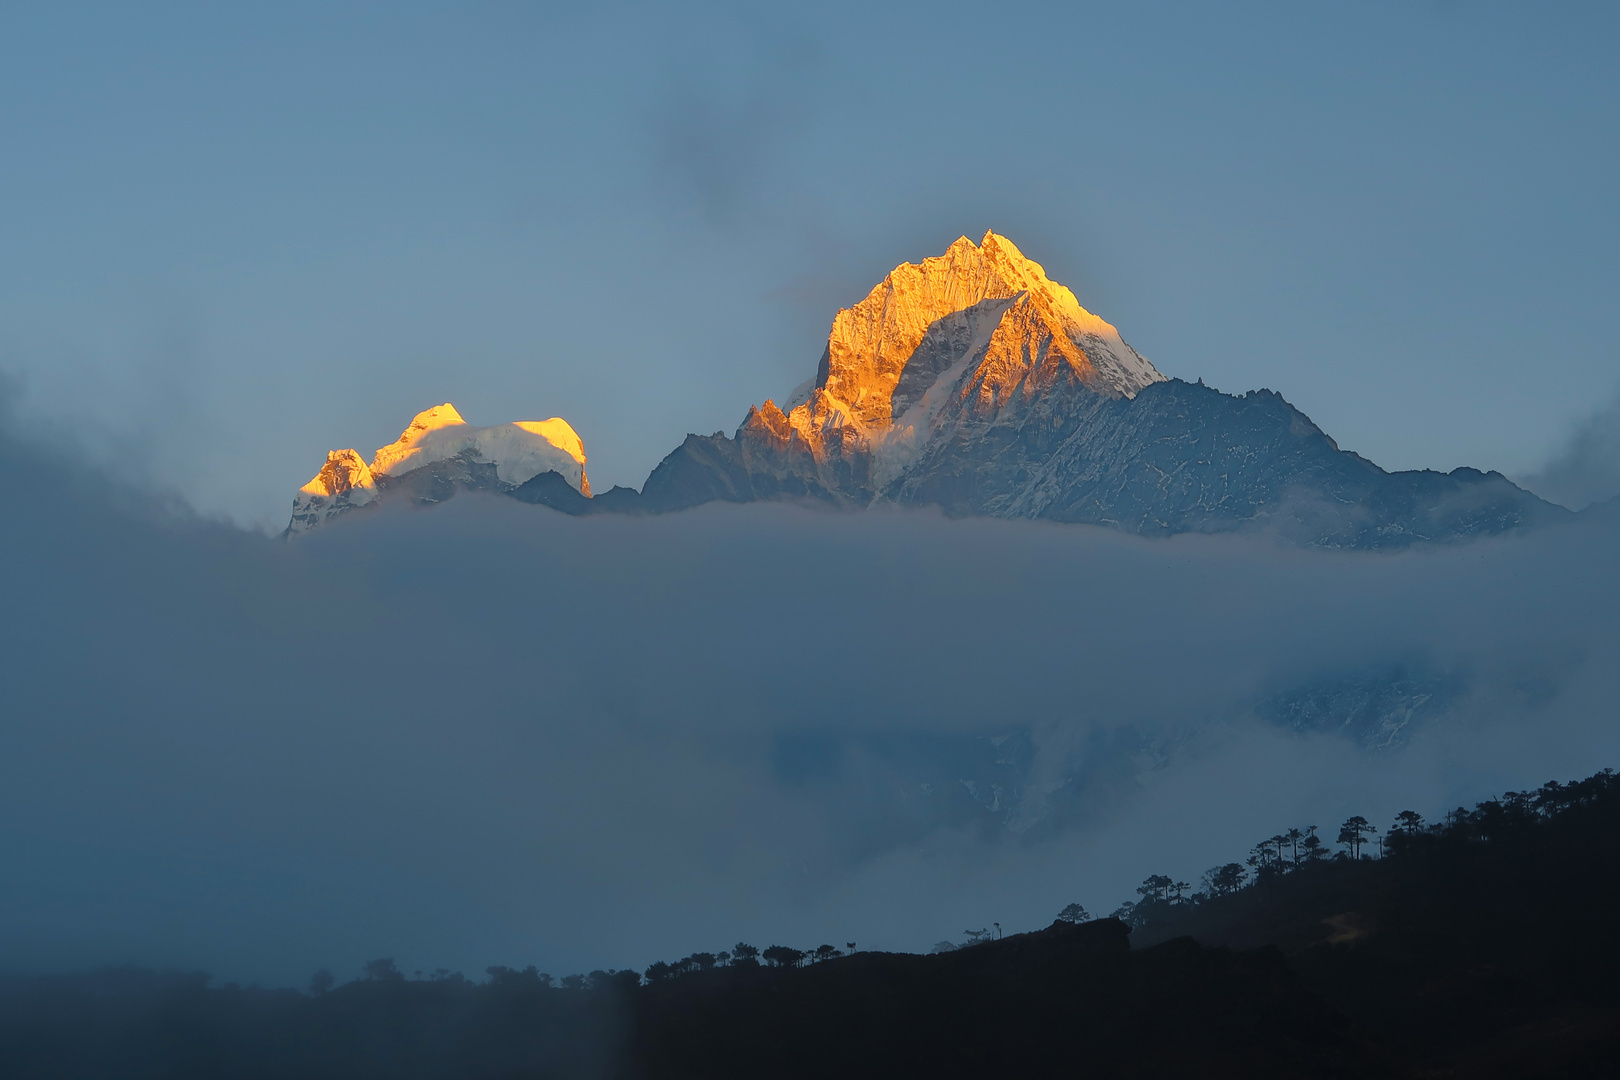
(489, 733)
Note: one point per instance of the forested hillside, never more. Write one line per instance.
(1482, 945)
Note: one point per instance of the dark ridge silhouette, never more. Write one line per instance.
(1481, 946)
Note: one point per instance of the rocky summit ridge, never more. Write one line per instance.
(973, 382)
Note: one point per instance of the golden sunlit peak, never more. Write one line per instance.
(344, 471)
(436, 417)
(343, 483)
(559, 433)
(519, 450)
(430, 420)
(440, 416)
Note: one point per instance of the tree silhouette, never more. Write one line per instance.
(1178, 889)
(1224, 880)
(619, 980)
(659, 972)
(1073, 913)
(1293, 837)
(1353, 833)
(1260, 857)
(782, 956)
(825, 952)
(744, 955)
(1155, 887)
(508, 978)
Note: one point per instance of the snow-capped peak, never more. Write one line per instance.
(344, 482)
(440, 416)
(872, 346)
(520, 451)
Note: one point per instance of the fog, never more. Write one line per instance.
(489, 733)
(1586, 469)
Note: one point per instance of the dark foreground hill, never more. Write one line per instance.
(1074, 1000)
(1485, 947)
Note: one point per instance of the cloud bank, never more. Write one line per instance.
(490, 733)
(1587, 469)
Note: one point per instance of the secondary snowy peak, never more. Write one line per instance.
(520, 450)
(344, 482)
(440, 416)
(438, 453)
(876, 347)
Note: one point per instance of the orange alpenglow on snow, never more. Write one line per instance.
(870, 343)
(440, 416)
(980, 321)
(343, 474)
(519, 451)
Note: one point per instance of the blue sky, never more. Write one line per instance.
(236, 236)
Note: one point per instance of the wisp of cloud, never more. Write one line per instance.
(1587, 469)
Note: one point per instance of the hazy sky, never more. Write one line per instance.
(237, 235)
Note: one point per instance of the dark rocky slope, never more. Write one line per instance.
(1179, 457)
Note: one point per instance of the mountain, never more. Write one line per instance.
(973, 382)
(438, 454)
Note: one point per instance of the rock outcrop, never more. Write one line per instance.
(344, 483)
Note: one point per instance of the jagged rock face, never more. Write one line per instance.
(439, 454)
(344, 483)
(879, 342)
(974, 383)
(981, 316)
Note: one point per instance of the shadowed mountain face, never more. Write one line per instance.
(974, 383)
(1179, 457)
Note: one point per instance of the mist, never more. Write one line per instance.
(493, 734)
(1586, 468)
